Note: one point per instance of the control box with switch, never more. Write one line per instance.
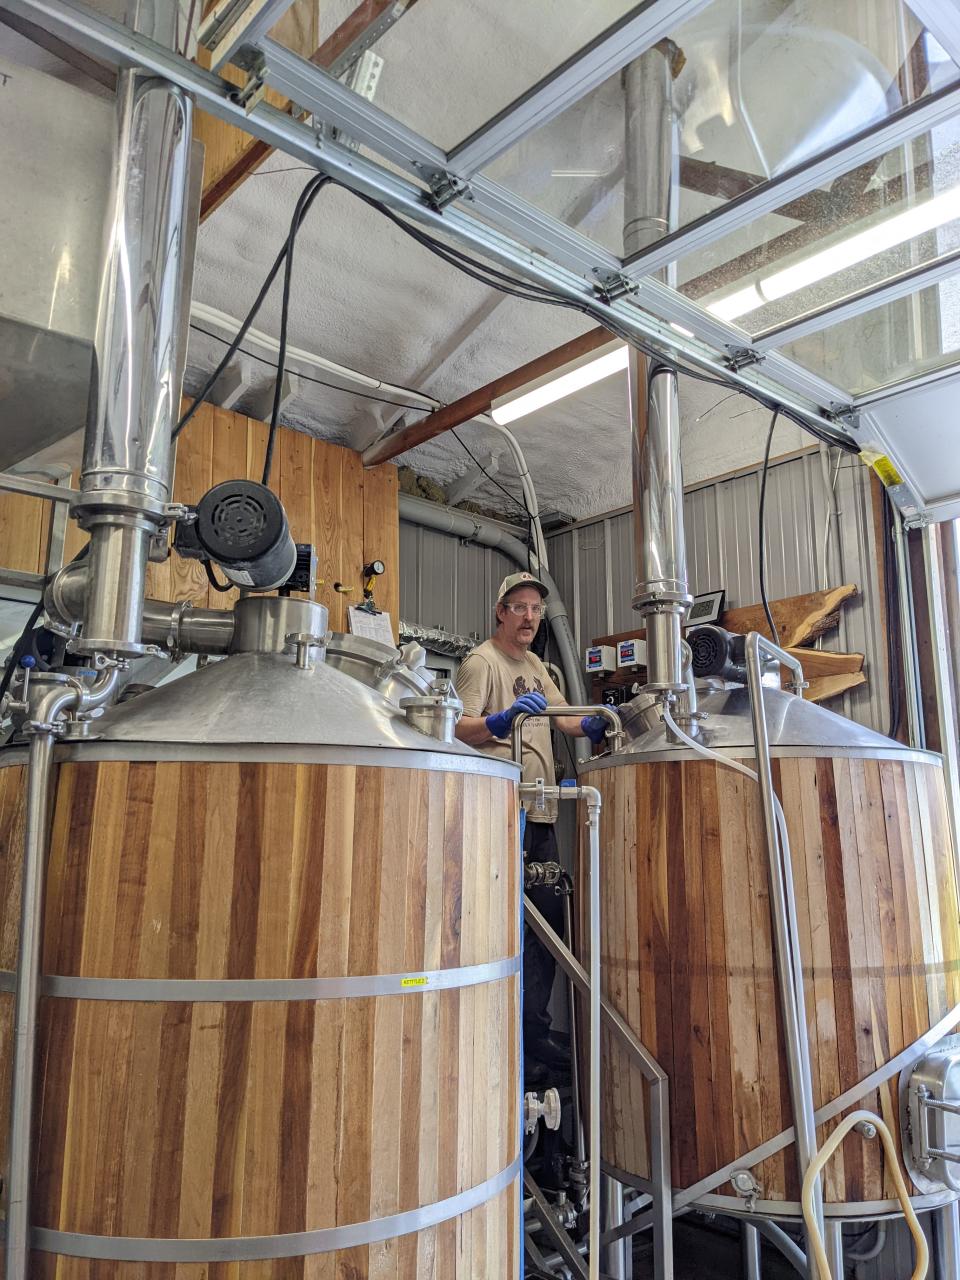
(600, 659)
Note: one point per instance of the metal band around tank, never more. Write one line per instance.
(221, 990)
(701, 1192)
(735, 1205)
(274, 753)
(680, 755)
(265, 1248)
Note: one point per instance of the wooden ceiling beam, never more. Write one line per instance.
(480, 401)
(340, 49)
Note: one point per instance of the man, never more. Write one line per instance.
(498, 680)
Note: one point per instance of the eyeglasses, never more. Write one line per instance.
(518, 610)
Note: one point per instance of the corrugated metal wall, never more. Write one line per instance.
(593, 562)
(446, 583)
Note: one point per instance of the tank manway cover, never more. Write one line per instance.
(264, 698)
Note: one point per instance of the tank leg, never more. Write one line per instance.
(948, 1242)
(750, 1251)
(833, 1241)
(617, 1258)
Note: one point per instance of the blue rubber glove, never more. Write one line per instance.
(595, 727)
(499, 723)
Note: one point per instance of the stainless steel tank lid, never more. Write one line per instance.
(795, 727)
(264, 698)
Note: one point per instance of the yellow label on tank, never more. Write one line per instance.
(887, 472)
(414, 982)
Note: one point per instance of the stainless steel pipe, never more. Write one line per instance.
(125, 479)
(614, 733)
(58, 694)
(661, 595)
(651, 160)
(750, 1251)
(783, 911)
(578, 1134)
(177, 628)
(943, 678)
(908, 635)
(594, 802)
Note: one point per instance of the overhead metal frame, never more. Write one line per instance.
(865, 300)
(589, 67)
(810, 398)
(448, 195)
(869, 144)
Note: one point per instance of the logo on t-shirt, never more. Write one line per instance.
(520, 686)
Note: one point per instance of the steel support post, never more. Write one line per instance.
(942, 669)
(617, 1257)
(908, 635)
(833, 1243)
(750, 1251)
(947, 1233)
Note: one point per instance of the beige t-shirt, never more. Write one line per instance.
(490, 680)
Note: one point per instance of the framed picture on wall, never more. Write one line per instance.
(705, 608)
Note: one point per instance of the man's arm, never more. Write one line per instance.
(473, 689)
(473, 731)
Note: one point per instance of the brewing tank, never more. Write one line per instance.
(280, 1007)
(688, 958)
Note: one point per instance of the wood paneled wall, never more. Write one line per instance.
(348, 513)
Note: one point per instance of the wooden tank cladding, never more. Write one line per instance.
(688, 962)
(241, 1118)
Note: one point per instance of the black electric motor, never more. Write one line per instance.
(242, 527)
(718, 653)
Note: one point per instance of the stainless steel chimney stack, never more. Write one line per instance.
(135, 397)
(661, 594)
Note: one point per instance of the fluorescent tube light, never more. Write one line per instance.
(556, 386)
(857, 248)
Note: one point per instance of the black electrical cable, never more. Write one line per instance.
(305, 377)
(493, 278)
(479, 465)
(314, 186)
(761, 532)
(307, 196)
(212, 579)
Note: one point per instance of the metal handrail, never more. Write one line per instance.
(614, 733)
(783, 910)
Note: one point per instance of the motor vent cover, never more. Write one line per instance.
(241, 525)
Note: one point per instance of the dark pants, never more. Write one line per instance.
(539, 966)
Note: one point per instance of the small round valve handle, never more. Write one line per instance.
(28, 661)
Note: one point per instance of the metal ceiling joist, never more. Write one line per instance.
(234, 24)
(604, 56)
(316, 91)
(98, 35)
(917, 118)
(900, 286)
(942, 19)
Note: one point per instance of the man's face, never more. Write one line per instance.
(520, 627)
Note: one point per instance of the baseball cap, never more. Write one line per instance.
(514, 580)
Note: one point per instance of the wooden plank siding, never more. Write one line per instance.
(688, 955)
(348, 513)
(210, 1119)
